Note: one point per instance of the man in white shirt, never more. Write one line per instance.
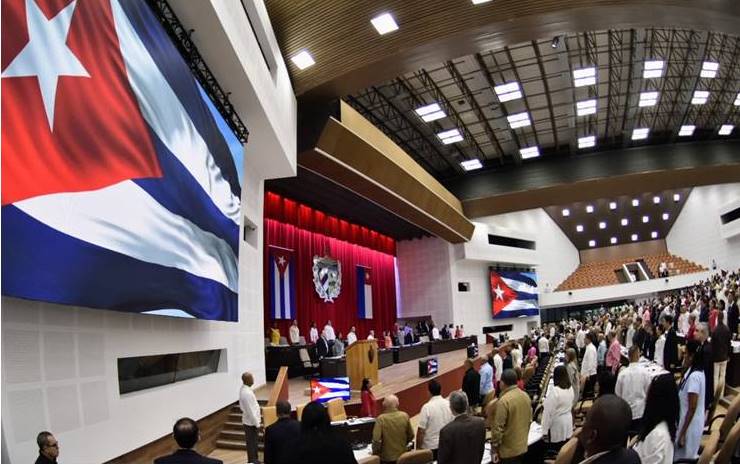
(313, 333)
(630, 335)
(351, 336)
(498, 366)
(632, 386)
(683, 320)
(435, 333)
(434, 415)
(371, 335)
(329, 332)
(250, 415)
(294, 333)
(543, 344)
(588, 366)
(580, 338)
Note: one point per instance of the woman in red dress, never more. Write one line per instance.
(368, 408)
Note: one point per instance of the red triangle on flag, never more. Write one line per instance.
(501, 294)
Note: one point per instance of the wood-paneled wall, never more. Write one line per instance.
(627, 250)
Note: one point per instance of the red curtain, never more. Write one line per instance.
(308, 241)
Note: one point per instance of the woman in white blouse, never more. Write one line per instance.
(659, 345)
(556, 415)
(659, 421)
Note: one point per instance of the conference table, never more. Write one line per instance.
(405, 353)
(451, 344)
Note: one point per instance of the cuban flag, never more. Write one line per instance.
(281, 272)
(325, 389)
(514, 294)
(364, 293)
(120, 181)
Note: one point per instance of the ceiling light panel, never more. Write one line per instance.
(653, 69)
(737, 100)
(700, 97)
(648, 99)
(602, 225)
(645, 219)
(450, 136)
(686, 131)
(566, 212)
(430, 112)
(666, 216)
(587, 142)
(579, 228)
(635, 202)
(303, 60)
(589, 208)
(640, 134)
(384, 23)
(726, 129)
(584, 76)
(508, 92)
(613, 240)
(529, 152)
(612, 205)
(519, 120)
(470, 165)
(654, 234)
(586, 107)
(676, 197)
(656, 200)
(634, 237)
(624, 221)
(478, 2)
(709, 69)
(592, 243)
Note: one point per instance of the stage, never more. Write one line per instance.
(401, 379)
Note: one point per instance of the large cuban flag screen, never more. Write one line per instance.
(514, 294)
(120, 181)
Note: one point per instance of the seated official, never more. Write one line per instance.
(318, 443)
(659, 422)
(435, 414)
(604, 433)
(281, 436)
(463, 440)
(632, 386)
(186, 435)
(392, 431)
(511, 421)
(48, 448)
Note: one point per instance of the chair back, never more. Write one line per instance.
(730, 418)
(336, 411)
(710, 447)
(416, 457)
(302, 340)
(269, 415)
(369, 460)
(724, 456)
(305, 357)
(567, 452)
(283, 340)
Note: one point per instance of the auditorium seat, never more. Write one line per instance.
(416, 457)
(369, 460)
(566, 453)
(336, 410)
(726, 451)
(728, 419)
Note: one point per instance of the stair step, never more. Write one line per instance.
(232, 435)
(234, 425)
(231, 444)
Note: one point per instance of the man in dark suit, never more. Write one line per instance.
(471, 384)
(705, 349)
(604, 433)
(322, 346)
(186, 435)
(670, 349)
(732, 313)
(281, 436)
(463, 440)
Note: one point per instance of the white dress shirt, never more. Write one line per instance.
(435, 334)
(370, 337)
(351, 338)
(581, 338)
(498, 364)
(250, 407)
(657, 448)
(329, 331)
(630, 336)
(659, 346)
(295, 334)
(543, 344)
(556, 415)
(313, 335)
(588, 365)
(516, 357)
(632, 386)
(434, 415)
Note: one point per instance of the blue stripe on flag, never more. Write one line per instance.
(118, 282)
(523, 277)
(291, 313)
(281, 283)
(526, 296)
(271, 288)
(360, 292)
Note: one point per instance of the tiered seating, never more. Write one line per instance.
(602, 273)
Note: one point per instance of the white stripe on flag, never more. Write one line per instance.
(368, 301)
(516, 305)
(126, 219)
(276, 310)
(335, 385)
(519, 286)
(160, 107)
(286, 293)
(334, 394)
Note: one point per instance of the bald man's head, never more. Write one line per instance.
(607, 425)
(390, 403)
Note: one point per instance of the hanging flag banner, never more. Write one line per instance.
(514, 294)
(282, 283)
(364, 293)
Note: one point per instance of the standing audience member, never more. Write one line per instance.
(604, 433)
(486, 376)
(543, 346)
(294, 333)
(318, 443)
(313, 333)
(691, 393)
(721, 349)
(648, 345)
(683, 320)
(338, 348)
(281, 436)
(435, 333)
(707, 361)
(531, 353)
(659, 345)
(186, 435)
(322, 346)
(329, 332)
(557, 418)
(462, 441)
(498, 366)
(435, 414)
(368, 408)
(571, 364)
(516, 354)
(250, 415)
(655, 440)
(387, 339)
(670, 349)
(732, 313)
(274, 334)
(691, 343)
(471, 384)
(511, 422)
(601, 353)
(48, 448)
(588, 367)
(371, 335)
(632, 386)
(392, 431)
(614, 356)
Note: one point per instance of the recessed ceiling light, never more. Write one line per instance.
(566, 212)
(737, 100)
(507, 92)
(450, 136)
(709, 69)
(634, 237)
(584, 76)
(635, 202)
(652, 69)
(602, 225)
(612, 205)
(648, 99)
(592, 243)
(586, 107)
(666, 216)
(302, 60)
(640, 134)
(700, 97)
(519, 120)
(587, 142)
(384, 23)
(470, 165)
(726, 129)
(676, 197)
(613, 240)
(654, 234)
(589, 208)
(686, 131)
(656, 199)
(624, 221)
(645, 219)
(430, 112)
(579, 228)
(529, 152)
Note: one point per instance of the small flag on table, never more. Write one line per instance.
(282, 283)
(364, 293)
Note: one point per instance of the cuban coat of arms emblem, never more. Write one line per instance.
(327, 277)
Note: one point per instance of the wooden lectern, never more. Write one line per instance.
(362, 361)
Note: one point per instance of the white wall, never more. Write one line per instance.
(696, 234)
(59, 369)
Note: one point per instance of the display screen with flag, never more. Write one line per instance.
(121, 183)
(325, 389)
(364, 293)
(514, 294)
(281, 276)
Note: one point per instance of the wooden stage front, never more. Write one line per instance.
(400, 379)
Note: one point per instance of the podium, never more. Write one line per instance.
(362, 361)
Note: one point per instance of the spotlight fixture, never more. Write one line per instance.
(602, 225)
(555, 42)
(612, 205)
(579, 228)
(592, 243)
(613, 240)
(634, 237)
(566, 212)
(654, 234)
(625, 222)
(302, 60)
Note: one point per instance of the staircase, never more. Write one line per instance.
(232, 433)
(730, 393)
